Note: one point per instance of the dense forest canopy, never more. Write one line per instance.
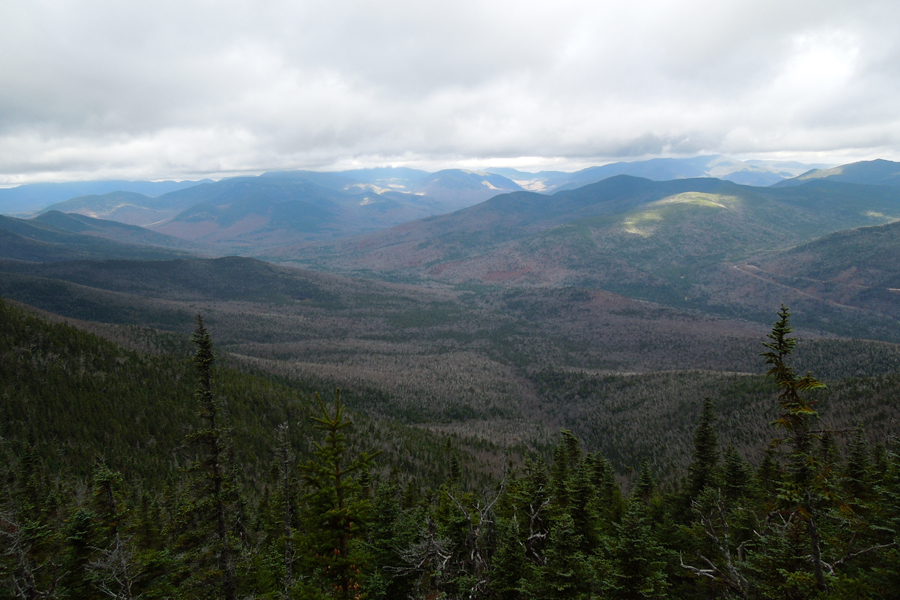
(128, 475)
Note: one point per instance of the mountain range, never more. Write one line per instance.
(139, 203)
(503, 319)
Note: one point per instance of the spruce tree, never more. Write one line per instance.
(633, 564)
(207, 550)
(796, 418)
(645, 487)
(510, 570)
(736, 475)
(704, 468)
(336, 510)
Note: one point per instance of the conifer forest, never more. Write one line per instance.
(230, 484)
(473, 300)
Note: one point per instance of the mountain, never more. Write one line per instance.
(668, 242)
(624, 218)
(755, 173)
(242, 213)
(112, 230)
(125, 207)
(869, 172)
(59, 237)
(268, 211)
(36, 196)
(457, 188)
(852, 268)
(399, 179)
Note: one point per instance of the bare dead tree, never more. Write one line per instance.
(113, 572)
(477, 562)
(23, 581)
(715, 525)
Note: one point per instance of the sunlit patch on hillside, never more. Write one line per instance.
(532, 185)
(368, 187)
(700, 199)
(642, 224)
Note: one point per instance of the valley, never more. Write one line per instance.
(623, 301)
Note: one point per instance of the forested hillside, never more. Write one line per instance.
(128, 475)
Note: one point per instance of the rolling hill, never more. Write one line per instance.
(854, 272)
(37, 196)
(129, 208)
(869, 172)
(59, 237)
(112, 230)
(653, 226)
(671, 242)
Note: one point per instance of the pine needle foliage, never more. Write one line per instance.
(796, 410)
(206, 538)
(338, 509)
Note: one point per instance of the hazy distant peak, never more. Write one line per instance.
(869, 172)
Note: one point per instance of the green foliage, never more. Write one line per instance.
(341, 525)
(703, 470)
(206, 516)
(337, 510)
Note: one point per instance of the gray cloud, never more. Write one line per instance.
(94, 88)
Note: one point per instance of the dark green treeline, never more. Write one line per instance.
(280, 498)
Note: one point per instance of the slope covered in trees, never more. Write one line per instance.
(266, 493)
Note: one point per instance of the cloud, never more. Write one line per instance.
(180, 89)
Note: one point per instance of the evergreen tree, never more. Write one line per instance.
(796, 418)
(566, 456)
(645, 487)
(703, 470)
(336, 510)
(207, 549)
(566, 574)
(116, 570)
(736, 475)
(633, 564)
(510, 570)
(858, 474)
(81, 536)
(608, 495)
(31, 533)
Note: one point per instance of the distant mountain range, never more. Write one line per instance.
(682, 242)
(37, 196)
(755, 173)
(452, 189)
(683, 221)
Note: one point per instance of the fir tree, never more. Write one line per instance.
(207, 549)
(796, 417)
(566, 574)
(336, 508)
(645, 487)
(703, 470)
(510, 570)
(736, 475)
(633, 563)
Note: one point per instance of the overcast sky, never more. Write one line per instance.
(185, 89)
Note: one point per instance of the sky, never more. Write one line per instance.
(95, 89)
